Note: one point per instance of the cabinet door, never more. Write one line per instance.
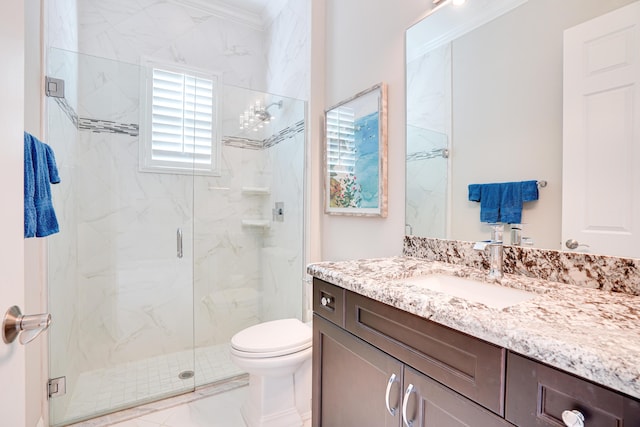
(350, 380)
(430, 404)
(468, 365)
(538, 394)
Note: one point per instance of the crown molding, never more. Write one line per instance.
(446, 22)
(225, 11)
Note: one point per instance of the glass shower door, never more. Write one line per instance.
(121, 295)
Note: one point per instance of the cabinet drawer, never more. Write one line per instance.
(538, 394)
(472, 367)
(328, 301)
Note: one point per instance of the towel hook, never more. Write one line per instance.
(542, 184)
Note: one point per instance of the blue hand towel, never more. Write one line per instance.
(40, 171)
(514, 194)
(502, 202)
(489, 197)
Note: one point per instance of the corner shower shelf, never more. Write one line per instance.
(256, 223)
(256, 191)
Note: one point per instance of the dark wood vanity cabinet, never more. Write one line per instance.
(366, 374)
(373, 362)
(537, 395)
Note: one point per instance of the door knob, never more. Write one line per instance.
(574, 244)
(28, 327)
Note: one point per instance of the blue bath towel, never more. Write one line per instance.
(40, 171)
(502, 202)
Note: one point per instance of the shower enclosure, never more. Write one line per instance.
(153, 271)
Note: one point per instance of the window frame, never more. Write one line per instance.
(146, 161)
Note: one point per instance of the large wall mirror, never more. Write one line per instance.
(489, 85)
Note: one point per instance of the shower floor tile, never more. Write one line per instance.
(104, 390)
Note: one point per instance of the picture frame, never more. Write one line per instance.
(355, 155)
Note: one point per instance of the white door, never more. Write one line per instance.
(12, 363)
(601, 141)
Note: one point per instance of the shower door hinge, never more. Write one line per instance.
(54, 87)
(57, 387)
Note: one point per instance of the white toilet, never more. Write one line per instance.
(277, 356)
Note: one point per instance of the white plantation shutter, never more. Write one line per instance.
(182, 132)
(341, 156)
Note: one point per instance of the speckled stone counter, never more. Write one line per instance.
(592, 333)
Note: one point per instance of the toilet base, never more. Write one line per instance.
(271, 402)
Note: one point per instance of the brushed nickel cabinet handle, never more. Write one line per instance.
(405, 403)
(391, 410)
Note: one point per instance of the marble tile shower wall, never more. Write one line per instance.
(592, 271)
(288, 51)
(428, 129)
(127, 30)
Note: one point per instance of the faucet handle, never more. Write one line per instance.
(482, 245)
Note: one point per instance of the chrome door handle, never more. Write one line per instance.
(28, 327)
(392, 380)
(179, 243)
(407, 394)
(573, 244)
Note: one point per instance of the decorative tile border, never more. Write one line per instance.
(68, 110)
(108, 126)
(284, 134)
(246, 143)
(254, 144)
(133, 129)
(591, 271)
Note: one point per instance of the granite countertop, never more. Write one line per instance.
(592, 333)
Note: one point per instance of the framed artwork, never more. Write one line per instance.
(355, 155)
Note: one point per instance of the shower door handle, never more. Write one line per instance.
(179, 242)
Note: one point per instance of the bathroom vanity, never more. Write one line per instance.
(389, 351)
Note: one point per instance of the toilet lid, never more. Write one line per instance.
(273, 338)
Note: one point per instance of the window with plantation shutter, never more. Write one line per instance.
(341, 156)
(181, 133)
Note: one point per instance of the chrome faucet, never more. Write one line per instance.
(495, 251)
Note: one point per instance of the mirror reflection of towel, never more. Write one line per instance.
(40, 170)
(502, 202)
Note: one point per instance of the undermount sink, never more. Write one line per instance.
(489, 294)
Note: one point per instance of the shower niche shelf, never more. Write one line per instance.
(256, 223)
(256, 191)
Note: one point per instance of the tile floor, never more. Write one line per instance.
(217, 405)
(220, 410)
(101, 391)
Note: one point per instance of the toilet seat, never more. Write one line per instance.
(272, 339)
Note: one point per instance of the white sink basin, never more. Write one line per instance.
(491, 295)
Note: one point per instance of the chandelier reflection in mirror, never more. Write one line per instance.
(257, 115)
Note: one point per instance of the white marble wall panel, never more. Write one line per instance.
(129, 30)
(289, 51)
(227, 255)
(426, 187)
(429, 90)
(61, 24)
(428, 129)
(283, 256)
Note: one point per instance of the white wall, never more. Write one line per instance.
(365, 46)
